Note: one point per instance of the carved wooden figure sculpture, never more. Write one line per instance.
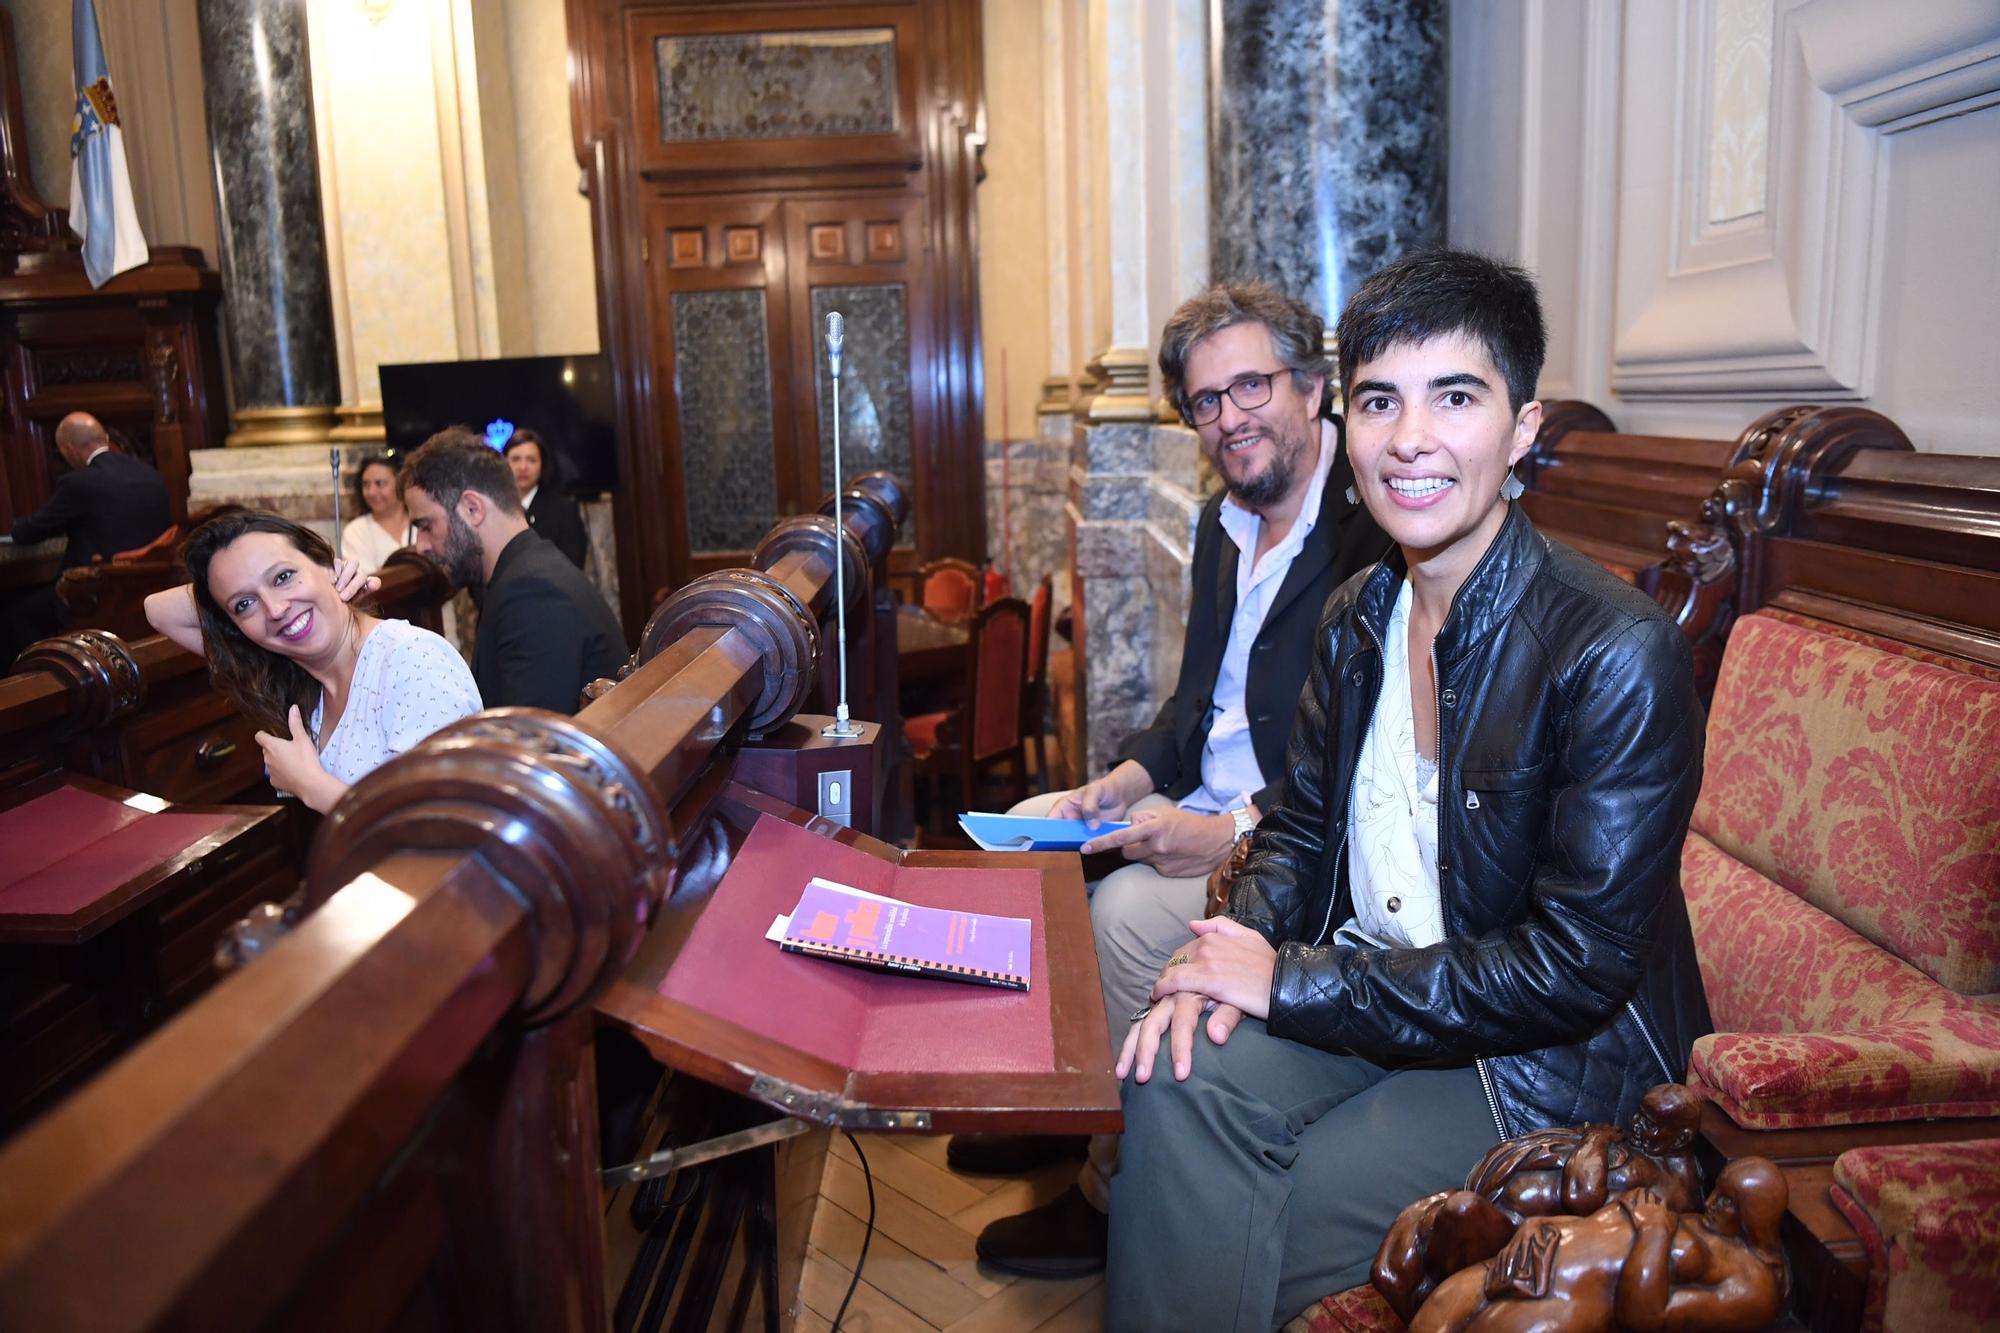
(1632, 1264)
(1567, 1171)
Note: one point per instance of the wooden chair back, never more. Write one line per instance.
(951, 589)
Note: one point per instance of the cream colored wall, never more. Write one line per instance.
(1013, 220)
(1579, 148)
(561, 275)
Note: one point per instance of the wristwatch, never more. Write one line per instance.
(1245, 823)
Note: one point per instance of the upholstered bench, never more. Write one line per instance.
(1842, 874)
(1929, 1215)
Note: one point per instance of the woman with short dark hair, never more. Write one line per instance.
(336, 691)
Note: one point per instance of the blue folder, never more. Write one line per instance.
(1018, 833)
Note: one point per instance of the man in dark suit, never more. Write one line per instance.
(551, 514)
(544, 632)
(105, 503)
(1245, 366)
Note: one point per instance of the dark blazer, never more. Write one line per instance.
(555, 520)
(544, 632)
(111, 504)
(1344, 540)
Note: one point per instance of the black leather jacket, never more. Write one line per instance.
(1569, 753)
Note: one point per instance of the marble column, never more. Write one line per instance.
(273, 242)
(1328, 141)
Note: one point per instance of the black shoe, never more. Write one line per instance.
(1061, 1239)
(1011, 1154)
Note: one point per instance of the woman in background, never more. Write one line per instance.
(335, 691)
(383, 525)
(551, 514)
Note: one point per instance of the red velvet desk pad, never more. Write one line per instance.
(869, 1021)
(62, 851)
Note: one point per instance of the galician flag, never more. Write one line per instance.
(100, 187)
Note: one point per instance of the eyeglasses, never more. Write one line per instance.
(1246, 391)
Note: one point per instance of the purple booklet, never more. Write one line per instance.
(832, 921)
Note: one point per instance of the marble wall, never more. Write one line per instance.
(1328, 141)
(1136, 491)
(257, 84)
(1026, 484)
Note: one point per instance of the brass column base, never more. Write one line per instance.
(360, 424)
(280, 425)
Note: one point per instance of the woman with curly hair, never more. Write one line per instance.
(336, 691)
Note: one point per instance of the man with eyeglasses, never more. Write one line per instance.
(1245, 366)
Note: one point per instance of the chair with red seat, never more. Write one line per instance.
(950, 589)
(986, 729)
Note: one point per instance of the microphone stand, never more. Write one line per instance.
(333, 458)
(841, 726)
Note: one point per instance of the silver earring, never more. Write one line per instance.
(1511, 488)
(1352, 498)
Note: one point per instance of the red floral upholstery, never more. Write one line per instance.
(1816, 1026)
(1864, 781)
(1930, 1217)
(1356, 1310)
(1849, 821)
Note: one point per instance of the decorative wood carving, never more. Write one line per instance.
(103, 680)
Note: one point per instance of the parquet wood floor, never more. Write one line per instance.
(921, 1273)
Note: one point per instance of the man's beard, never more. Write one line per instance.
(1272, 483)
(460, 555)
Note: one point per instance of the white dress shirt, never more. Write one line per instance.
(1230, 774)
(1392, 817)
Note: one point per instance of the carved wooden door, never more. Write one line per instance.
(752, 167)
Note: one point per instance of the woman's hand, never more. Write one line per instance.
(349, 582)
(295, 766)
(1176, 1016)
(1226, 962)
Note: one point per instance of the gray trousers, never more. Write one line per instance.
(1268, 1178)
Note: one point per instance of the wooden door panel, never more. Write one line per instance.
(745, 87)
(863, 256)
(723, 342)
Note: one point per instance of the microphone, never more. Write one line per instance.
(841, 725)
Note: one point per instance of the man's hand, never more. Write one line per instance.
(1177, 843)
(348, 582)
(295, 766)
(1108, 798)
(1176, 1016)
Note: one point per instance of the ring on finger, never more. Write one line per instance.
(1179, 959)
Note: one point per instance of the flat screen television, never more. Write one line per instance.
(564, 399)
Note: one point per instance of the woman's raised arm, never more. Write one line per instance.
(172, 613)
